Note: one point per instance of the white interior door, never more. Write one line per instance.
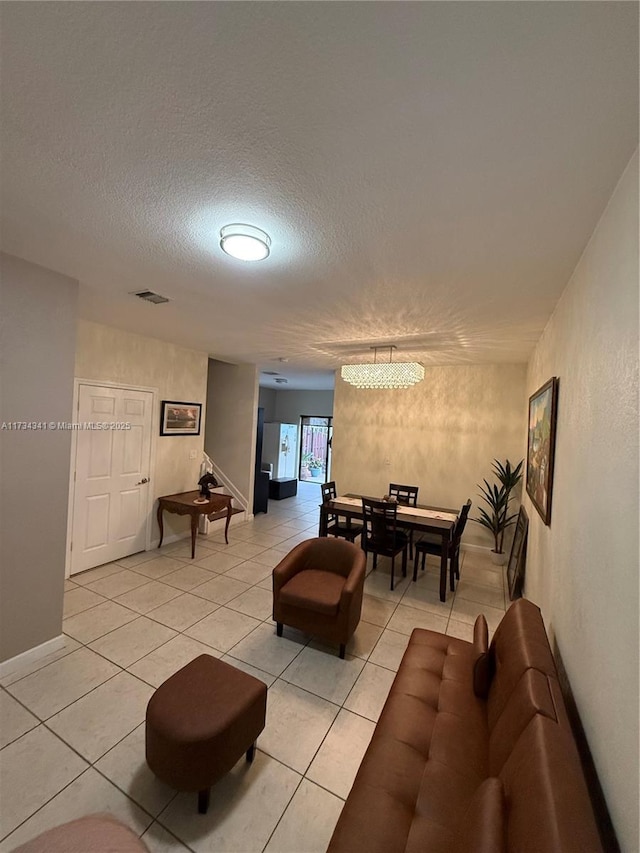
(110, 508)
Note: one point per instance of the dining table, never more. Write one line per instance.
(439, 521)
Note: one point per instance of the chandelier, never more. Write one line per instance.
(401, 374)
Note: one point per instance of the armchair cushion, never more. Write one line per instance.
(314, 589)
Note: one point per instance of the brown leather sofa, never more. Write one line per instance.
(318, 589)
(472, 752)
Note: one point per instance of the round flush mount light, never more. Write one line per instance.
(245, 242)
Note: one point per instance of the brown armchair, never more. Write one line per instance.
(318, 589)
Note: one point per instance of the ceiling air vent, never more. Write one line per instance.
(270, 372)
(281, 380)
(150, 296)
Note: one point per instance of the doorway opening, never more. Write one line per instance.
(316, 434)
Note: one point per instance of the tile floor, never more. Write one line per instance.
(73, 724)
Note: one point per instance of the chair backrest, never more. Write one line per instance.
(379, 523)
(329, 491)
(462, 521)
(407, 495)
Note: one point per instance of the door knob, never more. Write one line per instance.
(142, 482)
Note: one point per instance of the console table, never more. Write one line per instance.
(183, 504)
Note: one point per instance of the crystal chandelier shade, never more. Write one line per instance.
(383, 375)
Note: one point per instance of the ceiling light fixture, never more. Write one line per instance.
(389, 374)
(245, 242)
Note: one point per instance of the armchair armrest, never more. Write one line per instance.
(354, 582)
(289, 566)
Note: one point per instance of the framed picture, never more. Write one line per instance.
(543, 407)
(180, 418)
(517, 557)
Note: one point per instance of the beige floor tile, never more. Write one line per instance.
(183, 611)
(269, 558)
(468, 611)
(405, 619)
(57, 685)
(182, 550)
(370, 691)
(89, 793)
(160, 664)
(297, 723)
(146, 597)
(377, 611)
(246, 805)
(96, 574)
(377, 584)
(260, 674)
(483, 594)
(125, 765)
(222, 629)
(324, 674)
(308, 823)
(188, 577)
(221, 589)
(118, 584)
(139, 558)
(389, 649)
(483, 576)
(91, 624)
(128, 644)
(34, 768)
(246, 550)
(159, 566)
(15, 720)
(250, 572)
(95, 723)
(265, 650)
(69, 585)
(21, 670)
(338, 759)
(218, 562)
(254, 602)
(79, 599)
(364, 640)
(421, 596)
(267, 540)
(160, 840)
(461, 630)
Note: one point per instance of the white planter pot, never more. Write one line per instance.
(498, 559)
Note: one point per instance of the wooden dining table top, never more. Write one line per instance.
(405, 514)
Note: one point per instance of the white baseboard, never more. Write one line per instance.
(31, 655)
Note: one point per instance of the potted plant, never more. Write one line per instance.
(315, 467)
(497, 518)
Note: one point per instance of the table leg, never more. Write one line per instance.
(194, 533)
(226, 527)
(443, 565)
(323, 523)
(160, 524)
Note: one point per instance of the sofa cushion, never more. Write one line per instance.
(483, 828)
(314, 589)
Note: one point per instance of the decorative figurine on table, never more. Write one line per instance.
(206, 483)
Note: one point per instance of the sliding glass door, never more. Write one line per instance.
(315, 449)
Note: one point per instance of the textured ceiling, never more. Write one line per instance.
(429, 173)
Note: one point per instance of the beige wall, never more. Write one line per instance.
(38, 332)
(111, 355)
(583, 569)
(290, 405)
(232, 399)
(441, 435)
(267, 401)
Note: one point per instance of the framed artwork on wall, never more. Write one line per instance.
(180, 418)
(543, 411)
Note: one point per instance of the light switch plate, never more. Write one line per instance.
(193, 454)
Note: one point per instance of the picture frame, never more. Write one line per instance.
(517, 557)
(541, 425)
(180, 418)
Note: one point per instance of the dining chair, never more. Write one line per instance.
(346, 529)
(380, 535)
(408, 496)
(429, 544)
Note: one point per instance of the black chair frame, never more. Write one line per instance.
(380, 535)
(345, 529)
(426, 546)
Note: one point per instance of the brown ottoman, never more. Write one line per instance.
(200, 721)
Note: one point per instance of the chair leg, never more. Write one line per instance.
(411, 544)
(203, 800)
(343, 650)
(424, 557)
(415, 565)
(279, 628)
(251, 753)
(404, 563)
(375, 560)
(452, 574)
(393, 561)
